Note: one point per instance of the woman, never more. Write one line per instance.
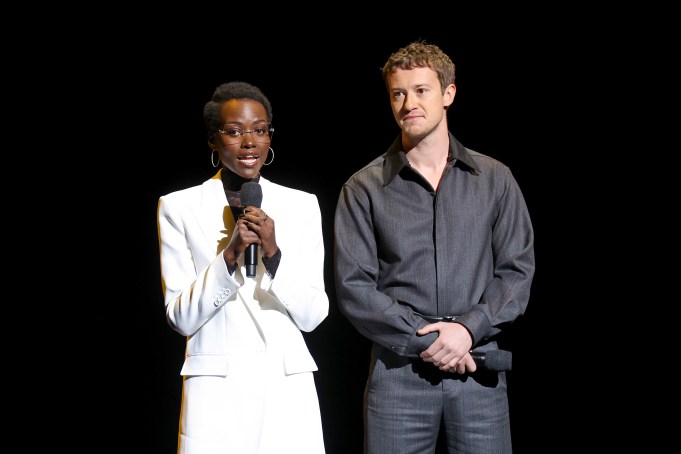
(248, 384)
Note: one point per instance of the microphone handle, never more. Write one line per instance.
(494, 360)
(251, 259)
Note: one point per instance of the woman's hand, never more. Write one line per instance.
(252, 227)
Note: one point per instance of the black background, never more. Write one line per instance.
(143, 92)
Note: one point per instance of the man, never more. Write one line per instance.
(434, 260)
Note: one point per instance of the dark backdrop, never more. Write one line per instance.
(331, 115)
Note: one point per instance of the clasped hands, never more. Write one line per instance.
(254, 226)
(451, 350)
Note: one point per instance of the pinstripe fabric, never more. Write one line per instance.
(402, 249)
(406, 400)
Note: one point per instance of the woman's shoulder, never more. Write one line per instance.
(192, 192)
(279, 190)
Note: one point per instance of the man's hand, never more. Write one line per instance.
(451, 350)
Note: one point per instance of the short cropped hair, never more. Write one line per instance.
(232, 90)
(420, 54)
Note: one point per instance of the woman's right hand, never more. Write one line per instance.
(242, 237)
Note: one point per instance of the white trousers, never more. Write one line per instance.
(256, 409)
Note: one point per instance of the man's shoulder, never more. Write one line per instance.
(486, 163)
(372, 171)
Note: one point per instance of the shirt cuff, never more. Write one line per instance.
(272, 263)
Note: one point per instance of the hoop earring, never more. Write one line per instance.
(212, 160)
(271, 160)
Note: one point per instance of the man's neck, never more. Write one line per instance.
(431, 152)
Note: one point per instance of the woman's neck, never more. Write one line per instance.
(232, 182)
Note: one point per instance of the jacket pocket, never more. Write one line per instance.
(206, 365)
(299, 361)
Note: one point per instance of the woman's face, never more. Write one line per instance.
(243, 153)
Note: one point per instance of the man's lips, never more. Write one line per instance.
(408, 118)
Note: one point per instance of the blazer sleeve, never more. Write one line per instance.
(299, 282)
(192, 296)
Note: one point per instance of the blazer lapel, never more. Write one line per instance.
(214, 214)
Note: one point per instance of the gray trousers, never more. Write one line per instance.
(407, 402)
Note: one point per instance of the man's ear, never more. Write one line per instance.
(448, 96)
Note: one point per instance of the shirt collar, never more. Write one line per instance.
(396, 158)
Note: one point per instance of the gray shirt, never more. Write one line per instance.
(402, 249)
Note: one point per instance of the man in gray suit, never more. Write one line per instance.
(434, 260)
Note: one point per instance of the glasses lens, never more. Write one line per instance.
(232, 135)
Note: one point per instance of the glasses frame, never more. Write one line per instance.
(243, 132)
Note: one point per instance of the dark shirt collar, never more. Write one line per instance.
(396, 158)
(232, 182)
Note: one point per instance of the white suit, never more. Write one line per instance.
(247, 376)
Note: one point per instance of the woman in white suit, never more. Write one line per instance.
(248, 384)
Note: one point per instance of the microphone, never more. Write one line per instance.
(251, 194)
(494, 360)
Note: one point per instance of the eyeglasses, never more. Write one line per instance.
(233, 135)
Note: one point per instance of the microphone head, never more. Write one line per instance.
(498, 360)
(251, 194)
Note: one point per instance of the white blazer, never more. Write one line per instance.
(229, 318)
